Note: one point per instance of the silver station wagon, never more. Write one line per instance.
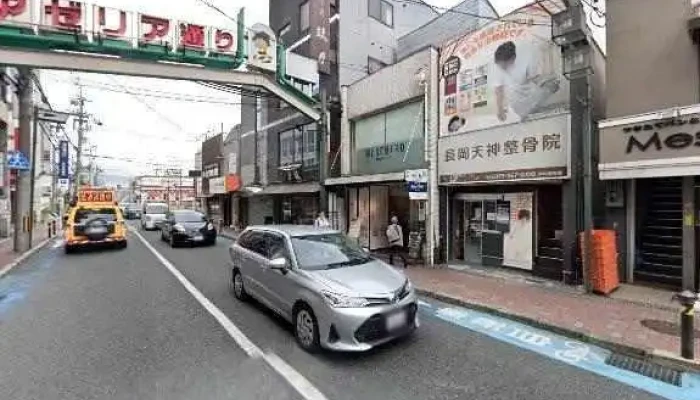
(334, 293)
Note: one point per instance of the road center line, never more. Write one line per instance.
(292, 376)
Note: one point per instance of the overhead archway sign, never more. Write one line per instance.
(61, 30)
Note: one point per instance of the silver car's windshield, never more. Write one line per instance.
(333, 250)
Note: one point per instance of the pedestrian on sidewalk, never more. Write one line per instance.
(321, 221)
(394, 234)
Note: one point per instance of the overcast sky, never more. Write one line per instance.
(140, 128)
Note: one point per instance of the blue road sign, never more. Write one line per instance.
(17, 160)
(63, 157)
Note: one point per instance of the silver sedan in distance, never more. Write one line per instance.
(336, 295)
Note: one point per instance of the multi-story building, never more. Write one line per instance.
(328, 44)
(512, 120)
(389, 126)
(649, 153)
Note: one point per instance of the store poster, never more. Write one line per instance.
(506, 72)
(518, 240)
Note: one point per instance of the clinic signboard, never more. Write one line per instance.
(506, 72)
(533, 150)
(78, 26)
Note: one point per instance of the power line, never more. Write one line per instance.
(474, 15)
(149, 106)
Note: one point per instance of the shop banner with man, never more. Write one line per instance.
(508, 71)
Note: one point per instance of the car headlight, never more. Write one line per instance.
(210, 226)
(341, 301)
(179, 228)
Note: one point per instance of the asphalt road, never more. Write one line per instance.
(117, 324)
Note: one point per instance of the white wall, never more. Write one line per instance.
(361, 36)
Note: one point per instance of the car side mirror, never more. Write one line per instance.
(280, 264)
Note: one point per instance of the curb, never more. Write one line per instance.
(226, 235)
(654, 355)
(4, 270)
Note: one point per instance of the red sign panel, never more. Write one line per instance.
(95, 196)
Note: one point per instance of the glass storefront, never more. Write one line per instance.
(370, 209)
(494, 229)
(389, 142)
(298, 210)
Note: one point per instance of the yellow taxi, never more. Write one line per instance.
(95, 219)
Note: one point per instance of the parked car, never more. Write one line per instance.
(334, 293)
(187, 227)
(153, 215)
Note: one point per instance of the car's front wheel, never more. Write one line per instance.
(306, 329)
(237, 286)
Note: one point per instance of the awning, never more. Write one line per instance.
(349, 180)
(309, 187)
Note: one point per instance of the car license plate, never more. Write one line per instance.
(96, 230)
(198, 238)
(395, 321)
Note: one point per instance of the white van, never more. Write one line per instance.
(153, 215)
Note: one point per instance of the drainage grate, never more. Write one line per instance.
(660, 373)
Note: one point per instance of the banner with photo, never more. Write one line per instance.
(506, 72)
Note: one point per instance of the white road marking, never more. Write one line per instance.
(297, 380)
(58, 244)
(293, 377)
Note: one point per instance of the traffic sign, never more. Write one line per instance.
(17, 160)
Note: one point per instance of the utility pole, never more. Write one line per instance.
(32, 176)
(23, 194)
(323, 131)
(80, 103)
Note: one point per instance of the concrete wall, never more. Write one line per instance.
(652, 63)
(392, 85)
(361, 36)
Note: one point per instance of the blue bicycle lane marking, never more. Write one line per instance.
(573, 352)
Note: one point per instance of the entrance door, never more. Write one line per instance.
(473, 231)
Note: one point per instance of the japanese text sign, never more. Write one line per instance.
(95, 196)
(97, 23)
(536, 149)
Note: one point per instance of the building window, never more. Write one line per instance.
(304, 17)
(382, 11)
(299, 146)
(374, 65)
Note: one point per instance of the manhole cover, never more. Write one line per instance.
(665, 327)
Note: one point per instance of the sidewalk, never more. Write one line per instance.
(619, 325)
(228, 233)
(7, 255)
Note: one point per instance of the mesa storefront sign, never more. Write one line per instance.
(636, 150)
(80, 26)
